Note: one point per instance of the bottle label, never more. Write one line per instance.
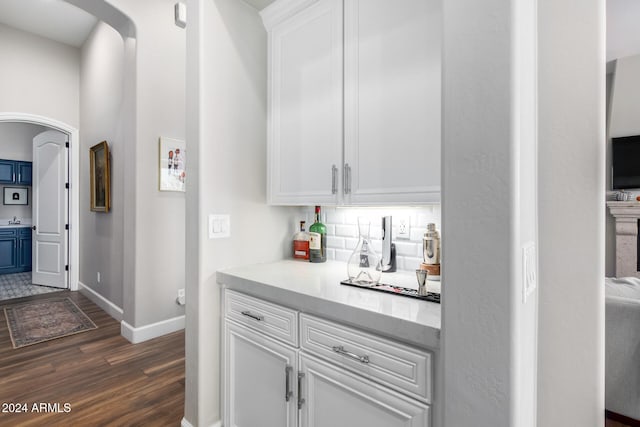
(315, 241)
(301, 249)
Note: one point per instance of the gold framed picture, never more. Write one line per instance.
(100, 177)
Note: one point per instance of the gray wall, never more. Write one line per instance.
(154, 230)
(39, 76)
(571, 201)
(102, 119)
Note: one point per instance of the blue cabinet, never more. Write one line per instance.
(15, 172)
(24, 249)
(15, 250)
(7, 172)
(23, 175)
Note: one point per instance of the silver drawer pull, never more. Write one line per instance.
(257, 317)
(340, 350)
(301, 400)
(287, 387)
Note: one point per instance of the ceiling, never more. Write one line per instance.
(52, 19)
(65, 23)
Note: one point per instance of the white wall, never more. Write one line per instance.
(572, 212)
(16, 143)
(102, 118)
(625, 98)
(39, 76)
(488, 212)
(227, 138)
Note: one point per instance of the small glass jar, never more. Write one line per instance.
(364, 266)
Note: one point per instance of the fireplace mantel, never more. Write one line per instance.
(627, 215)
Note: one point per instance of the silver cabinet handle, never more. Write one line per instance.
(340, 350)
(257, 317)
(345, 178)
(287, 387)
(300, 398)
(334, 180)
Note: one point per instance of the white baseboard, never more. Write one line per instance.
(154, 330)
(110, 308)
(185, 423)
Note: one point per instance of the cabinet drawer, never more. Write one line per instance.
(271, 319)
(8, 232)
(24, 231)
(396, 365)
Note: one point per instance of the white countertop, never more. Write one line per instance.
(316, 289)
(4, 223)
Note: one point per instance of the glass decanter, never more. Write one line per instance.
(364, 264)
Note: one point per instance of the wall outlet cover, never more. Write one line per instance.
(403, 227)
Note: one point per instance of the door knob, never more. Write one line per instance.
(33, 228)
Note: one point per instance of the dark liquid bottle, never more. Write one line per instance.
(317, 240)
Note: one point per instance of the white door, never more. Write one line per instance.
(259, 380)
(337, 398)
(305, 107)
(49, 215)
(392, 64)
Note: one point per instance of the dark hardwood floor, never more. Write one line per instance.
(105, 380)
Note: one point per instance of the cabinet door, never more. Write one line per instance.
(305, 117)
(7, 171)
(392, 101)
(8, 254)
(24, 173)
(337, 398)
(24, 253)
(258, 372)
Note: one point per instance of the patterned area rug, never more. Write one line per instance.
(43, 320)
(18, 285)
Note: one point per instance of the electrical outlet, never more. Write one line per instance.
(403, 227)
(181, 300)
(529, 270)
(98, 277)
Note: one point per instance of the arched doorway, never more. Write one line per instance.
(74, 178)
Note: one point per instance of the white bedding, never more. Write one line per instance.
(622, 357)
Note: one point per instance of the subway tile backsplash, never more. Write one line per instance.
(342, 231)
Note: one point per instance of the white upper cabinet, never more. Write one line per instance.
(360, 131)
(305, 106)
(392, 101)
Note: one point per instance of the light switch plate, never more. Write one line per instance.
(219, 226)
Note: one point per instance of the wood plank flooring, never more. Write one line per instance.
(105, 380)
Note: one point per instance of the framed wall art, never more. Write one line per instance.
(172, 165)
(16, 196)
(100, 176)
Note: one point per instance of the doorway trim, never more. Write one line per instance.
(74, 180)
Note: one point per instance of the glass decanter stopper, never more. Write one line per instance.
(364, 264)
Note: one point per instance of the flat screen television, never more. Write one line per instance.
(626, 162)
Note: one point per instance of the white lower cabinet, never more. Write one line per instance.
(259, 380)
(334, 397)
(268, 381)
